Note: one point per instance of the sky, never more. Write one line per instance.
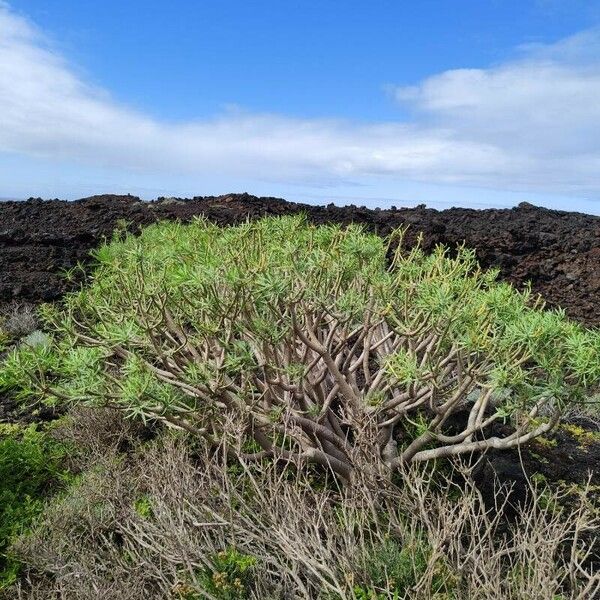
(475, 103)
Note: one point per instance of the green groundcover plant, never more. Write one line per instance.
(322, 344)
(30, 469)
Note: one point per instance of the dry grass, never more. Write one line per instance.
(98, 433)
(19, 320)
(167, 522)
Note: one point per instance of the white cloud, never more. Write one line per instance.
(542, 110)
(530, 124)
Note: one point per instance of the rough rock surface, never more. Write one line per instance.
(559, 252)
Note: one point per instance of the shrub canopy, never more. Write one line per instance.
(310, 342)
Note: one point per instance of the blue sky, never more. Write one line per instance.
(475, 103)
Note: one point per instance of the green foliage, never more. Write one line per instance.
(143, 507)
(364, 593)
(393, 570)
(534, 352)
(25, 366)
(402, 365)
(394, 566)
(583, 436)
(30, 470)
(229, 578)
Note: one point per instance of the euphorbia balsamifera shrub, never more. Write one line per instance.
(282, 339)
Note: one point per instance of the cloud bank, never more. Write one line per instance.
(530, 124)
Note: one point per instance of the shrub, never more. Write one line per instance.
(391, 565)
(282, 538)
(228, 578)
(30, 469)
(304, 343)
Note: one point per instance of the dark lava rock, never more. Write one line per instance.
(559, 252)
(568, 458)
